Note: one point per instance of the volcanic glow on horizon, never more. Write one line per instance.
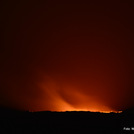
(67, 57)
(79, 101)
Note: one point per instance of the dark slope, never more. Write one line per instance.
(19, 122)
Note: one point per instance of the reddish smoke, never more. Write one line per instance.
(67, 57)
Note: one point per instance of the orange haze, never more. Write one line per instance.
(66, 56)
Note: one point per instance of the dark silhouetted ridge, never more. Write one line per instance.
(46, 122)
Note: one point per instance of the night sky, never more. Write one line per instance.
(65, 55)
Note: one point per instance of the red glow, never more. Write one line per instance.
(56, 102)
(65, 57)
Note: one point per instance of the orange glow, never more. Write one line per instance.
(79, 101)
(67, 57)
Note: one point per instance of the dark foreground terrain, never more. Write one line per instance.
(18, 122)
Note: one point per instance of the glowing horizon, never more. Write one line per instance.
(80, 110)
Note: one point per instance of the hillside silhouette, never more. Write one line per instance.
(46, 122)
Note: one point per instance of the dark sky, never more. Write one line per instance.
(57, 55)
